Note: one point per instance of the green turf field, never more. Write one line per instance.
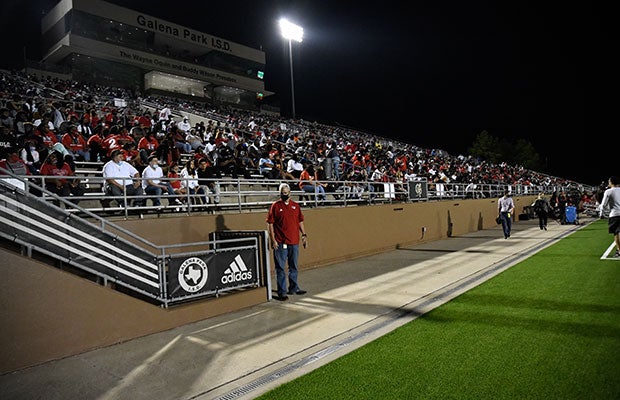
(547, 328)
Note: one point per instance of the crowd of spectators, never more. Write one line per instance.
(83, 121)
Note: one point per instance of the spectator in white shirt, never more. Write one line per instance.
(184, 125)
(294, 167)
(153, 185)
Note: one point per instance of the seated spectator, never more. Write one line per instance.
(281, 171)
(8, 140)
(153, 185)
(184, 126)
(207, 179)
(242, 154)
(175, 180)
(132, 156)
(226, 161)
(267, 167)
(308, 183)
(75, 143)
(189, 180)
(294, 167)
(147, 146)
(194, 139)
(55, 165)
(180, 142)
(122, 179)
(14, 165)
(95, 144)
(30, 156)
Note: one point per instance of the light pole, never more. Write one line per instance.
(291, 32)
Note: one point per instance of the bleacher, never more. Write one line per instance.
(275, 132)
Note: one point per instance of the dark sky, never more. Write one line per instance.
(432, 73)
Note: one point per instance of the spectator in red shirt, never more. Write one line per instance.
(75, 143)
(111, 142)
(147, 145)
(95, 144)
(285, 221)
(55, 166)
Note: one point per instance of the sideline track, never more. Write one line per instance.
(245, 354)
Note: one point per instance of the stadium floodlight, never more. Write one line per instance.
(291, 32)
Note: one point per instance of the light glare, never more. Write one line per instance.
(291, 31)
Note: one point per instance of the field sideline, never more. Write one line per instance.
(548, 327)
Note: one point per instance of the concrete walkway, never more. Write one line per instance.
(246, 353)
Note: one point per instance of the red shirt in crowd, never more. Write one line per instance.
(111, 143)
(74, 141)
(53, 170)
(175, 182)
(150, 144)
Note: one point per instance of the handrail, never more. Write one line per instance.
(247, 194)
(102, 252)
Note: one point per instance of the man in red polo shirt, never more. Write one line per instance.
(285, 220)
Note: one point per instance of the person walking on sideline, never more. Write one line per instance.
(541, 208)
(611, 202)
(284, 222)
(505, 207)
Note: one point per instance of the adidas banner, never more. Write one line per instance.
(211, 272)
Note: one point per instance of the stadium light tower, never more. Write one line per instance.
(291, 32)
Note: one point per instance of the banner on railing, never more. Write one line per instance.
(418, 190)
(211, 272)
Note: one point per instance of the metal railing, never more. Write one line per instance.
(242, 195)
(45, 223)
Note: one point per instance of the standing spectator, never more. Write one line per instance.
(541, 208)
(505, 207)
(57, 116)
(122, 178)
(562, 203)
(611, 202)
(153, 185)
(285, 221)
(164, 114)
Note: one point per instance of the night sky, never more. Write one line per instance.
(434, 74)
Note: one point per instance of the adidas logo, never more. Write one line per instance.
(237, 271)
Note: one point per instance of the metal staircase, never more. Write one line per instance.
(117, 257)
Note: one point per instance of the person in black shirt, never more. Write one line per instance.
(207, 180)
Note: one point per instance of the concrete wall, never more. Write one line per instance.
(47, 313)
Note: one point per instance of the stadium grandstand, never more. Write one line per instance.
(117, 81)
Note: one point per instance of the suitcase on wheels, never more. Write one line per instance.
(570, 215)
